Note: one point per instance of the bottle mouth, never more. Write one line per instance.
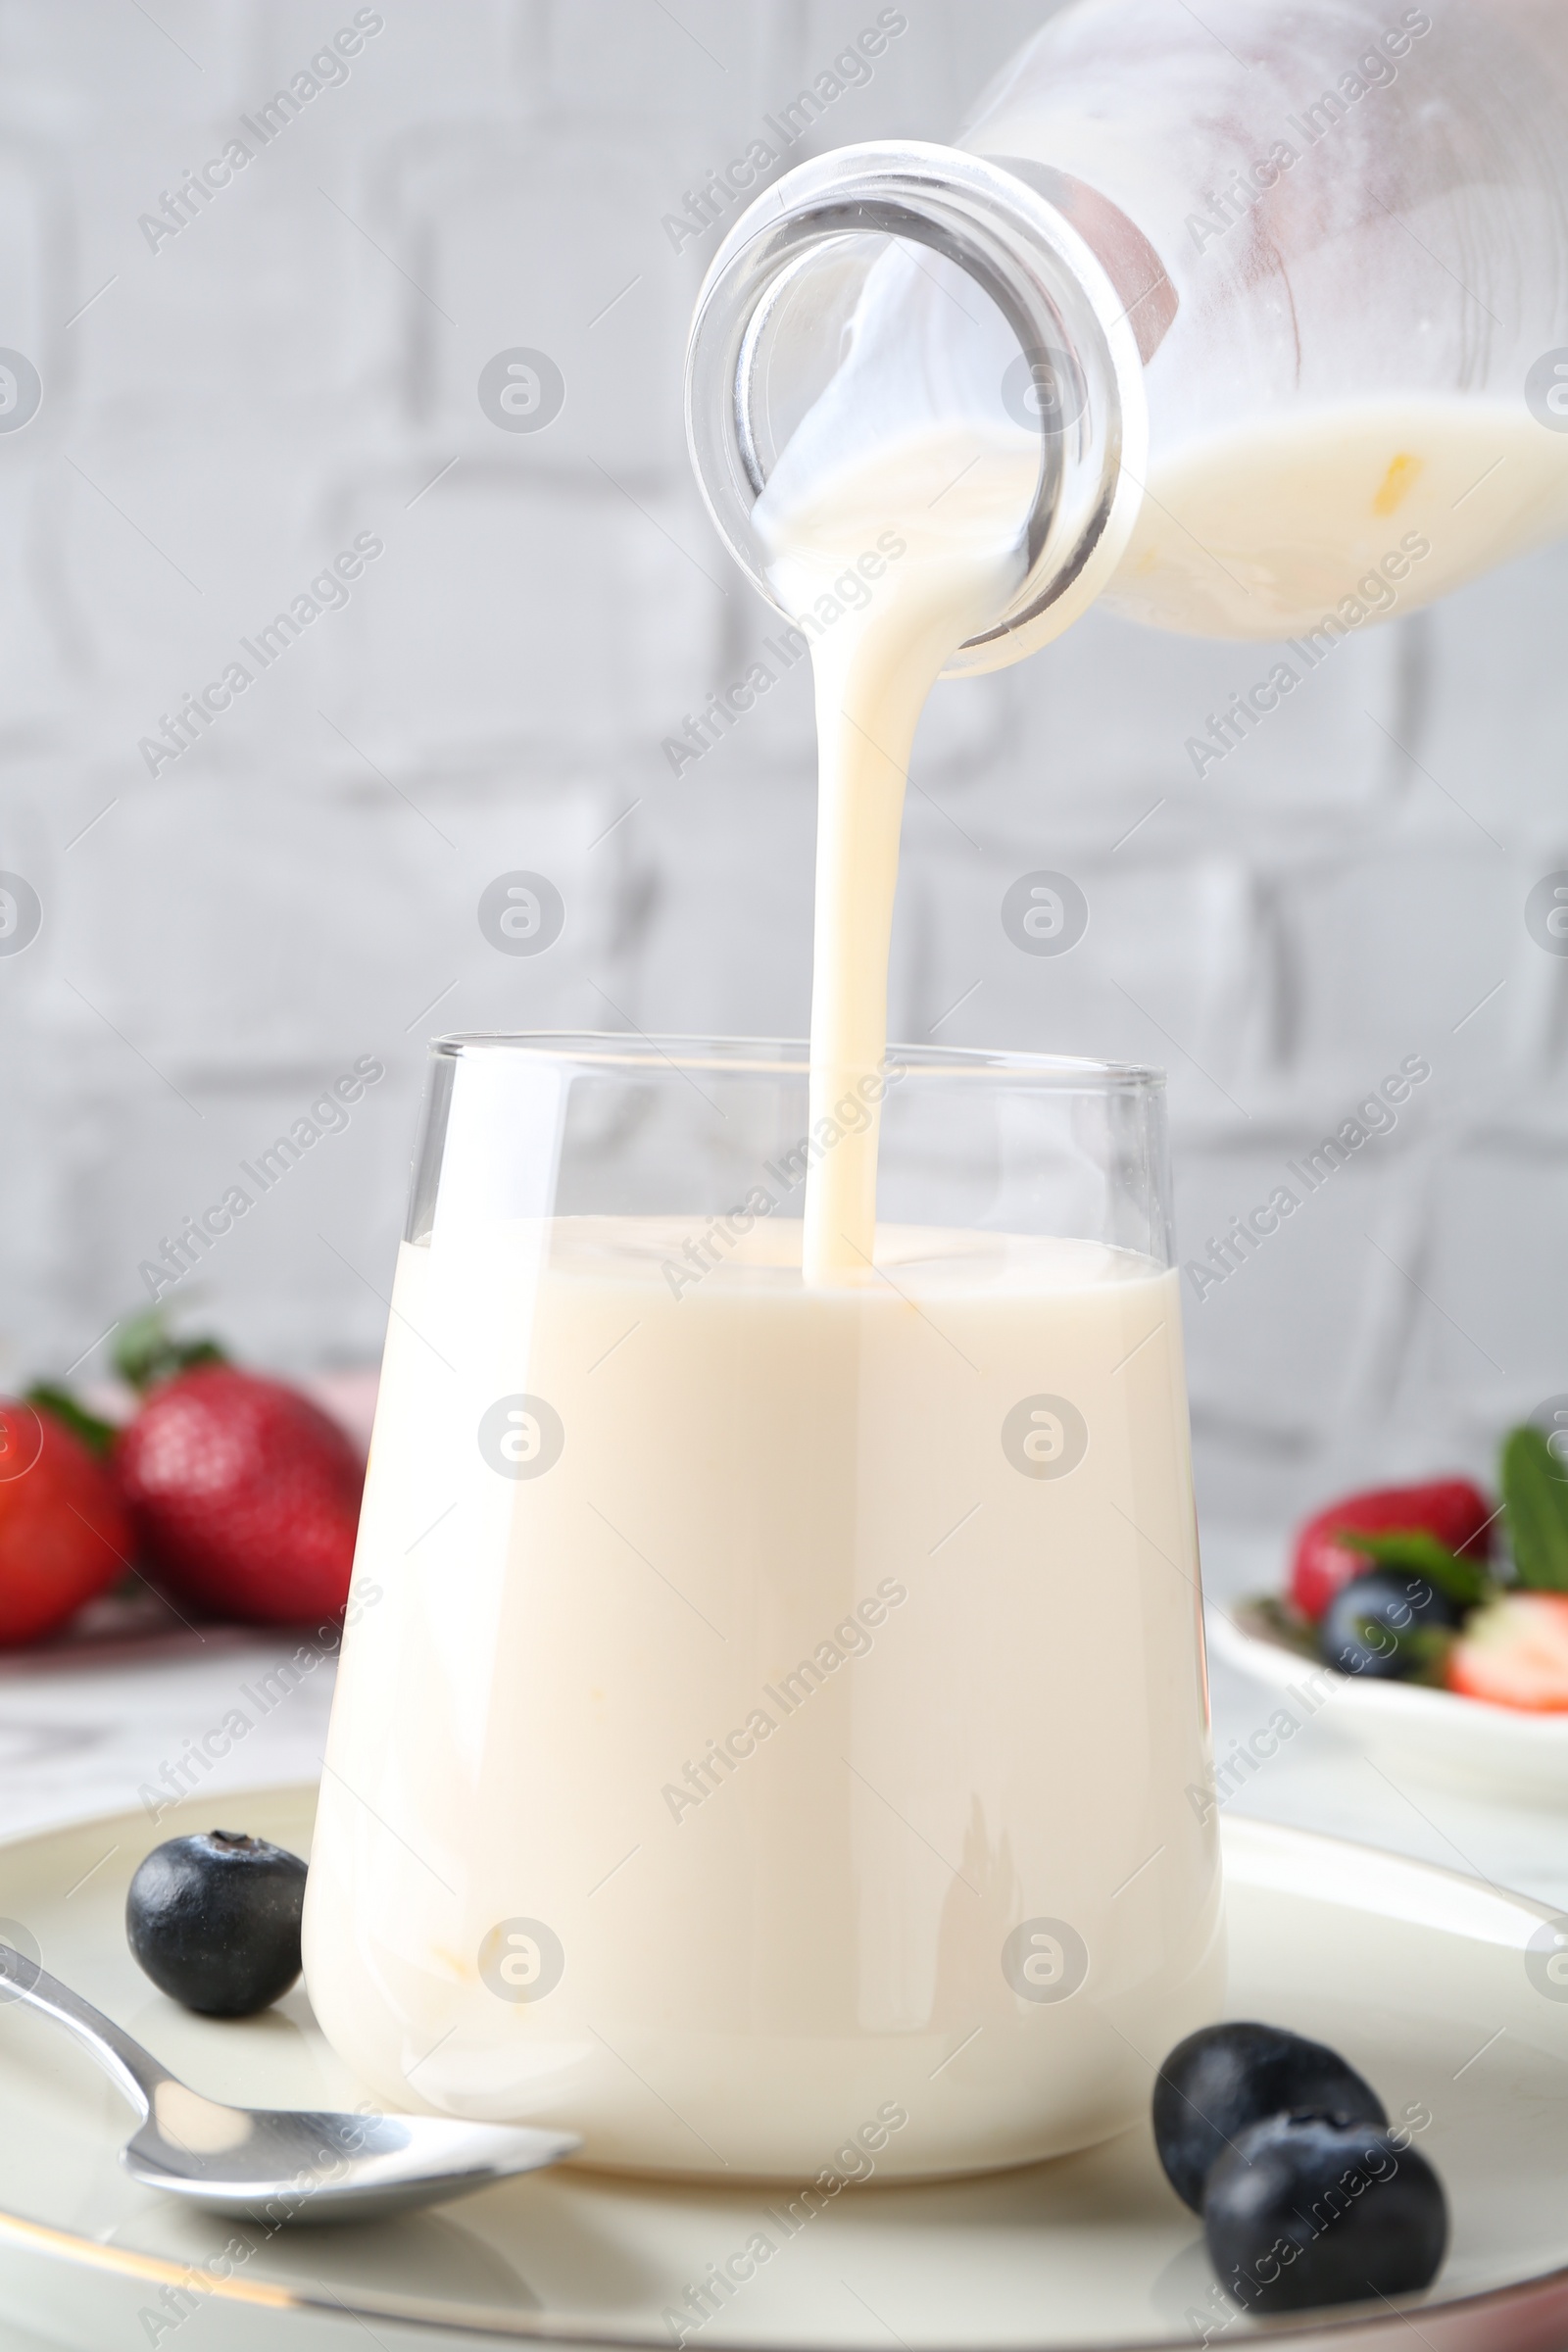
(775, 319)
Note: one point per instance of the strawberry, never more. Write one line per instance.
(63, 1532)
(1450, 1509)
(244, 1494)
(1514, 1652)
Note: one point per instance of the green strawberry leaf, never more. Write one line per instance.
(1418, 1549)
(145, 1354)
(97, 1435)
(1535, 1495)
(1267, 1618)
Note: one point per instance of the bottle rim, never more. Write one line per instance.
(1049, 283)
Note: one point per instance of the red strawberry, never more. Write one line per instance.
(1514, 1652)
(245, 1496)
(63, 1533)
(1457, 1513)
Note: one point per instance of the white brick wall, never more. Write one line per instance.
(300, 364)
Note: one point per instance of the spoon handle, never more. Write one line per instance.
(133, 2069)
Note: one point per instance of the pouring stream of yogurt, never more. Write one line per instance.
(895, 519)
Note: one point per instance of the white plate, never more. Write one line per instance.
(1420, 1978)
(1466, 1744)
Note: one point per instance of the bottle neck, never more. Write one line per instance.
(769, 333)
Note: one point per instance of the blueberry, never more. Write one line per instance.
(1224, 2078)
(1310, 2209)
(1367, 1626)
(215, 1921)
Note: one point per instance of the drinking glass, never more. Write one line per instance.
(772, 1728)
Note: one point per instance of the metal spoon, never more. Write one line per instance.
(274, 2163)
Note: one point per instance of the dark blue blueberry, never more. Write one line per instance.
(215, 1921)
(1223, 2079)
(1367, 1626)
(1313, 2209)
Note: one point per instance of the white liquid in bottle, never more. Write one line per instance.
(1350, 513)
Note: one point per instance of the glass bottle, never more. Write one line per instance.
(1283, 294)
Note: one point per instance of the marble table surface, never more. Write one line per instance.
(91, 1726)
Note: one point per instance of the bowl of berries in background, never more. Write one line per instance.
(1431, 1622)
(217, 1494)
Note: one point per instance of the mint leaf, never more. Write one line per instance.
(1535, 1495)
(1418, 1549)
(1428, 1648)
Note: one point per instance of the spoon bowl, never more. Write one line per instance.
(279, 2163)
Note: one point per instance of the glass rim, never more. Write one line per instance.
(629, 1050)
